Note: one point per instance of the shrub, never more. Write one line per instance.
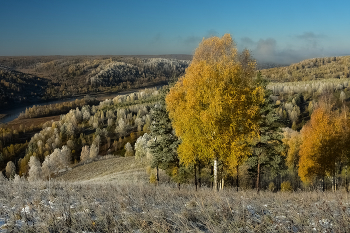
(286, 186)
(153, 178)
(272, 187)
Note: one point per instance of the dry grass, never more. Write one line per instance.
(133, 207)
(113, 169)
(112, 195)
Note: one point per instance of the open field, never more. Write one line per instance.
(135, 207)
(32, 121)
(107, 169)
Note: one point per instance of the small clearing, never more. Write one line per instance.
(114, 169)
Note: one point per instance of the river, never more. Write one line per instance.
(13, 113)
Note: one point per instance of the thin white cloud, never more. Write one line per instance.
(267, 50)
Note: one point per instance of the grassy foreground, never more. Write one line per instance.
(139, 207)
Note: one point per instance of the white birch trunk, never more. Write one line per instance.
(215, 186)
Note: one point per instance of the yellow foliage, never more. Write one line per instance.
(324, 139)
(292, 139)
(214, 107)
(153, 178)
(272, 186)
(286, 186)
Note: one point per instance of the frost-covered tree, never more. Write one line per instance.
(78, 115)
(121, 128)
(73, 120)
(139, 122)
(10, 170)
(141, 146)
(85, 153)
(97, 141)
(121, 113)
(293, 116)
(128, 150)
(71, 129)
(40, 146)
(70, 144)
(110, 122)
(34, 169)
(94, 109)
(93, 151)
(86, 115)
(17, 179)
(65, 157)
(56, 161)
(342, 96)
(96, 122)
(47, 167)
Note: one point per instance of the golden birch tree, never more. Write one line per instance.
(322, 144)
(292, 139)
(214, 107)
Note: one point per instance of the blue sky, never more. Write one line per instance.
(275, 31)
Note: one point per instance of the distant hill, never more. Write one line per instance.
(16, 87)
(311, 69)
(29, 78)
(67, 76)
(268, 65)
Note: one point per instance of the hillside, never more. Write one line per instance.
(107, 169)
(55, 77)
(18, 87)
(34, 78)
(311, 69)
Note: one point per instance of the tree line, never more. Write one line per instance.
(218, 125)
(219, 118)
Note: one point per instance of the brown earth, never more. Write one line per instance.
(31, 121)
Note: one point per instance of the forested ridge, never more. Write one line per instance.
(41, 78)
(311, 69)
(18, 87)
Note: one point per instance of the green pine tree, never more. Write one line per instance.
(266, 151)
(165, 143)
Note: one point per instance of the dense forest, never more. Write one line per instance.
(17, 87)
(311, 69)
